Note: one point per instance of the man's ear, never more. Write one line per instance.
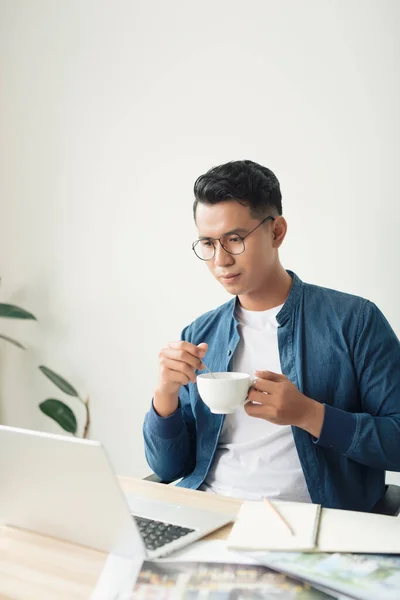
(279, 231)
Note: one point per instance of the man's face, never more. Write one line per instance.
(245, 274)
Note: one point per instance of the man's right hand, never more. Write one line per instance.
(178, 363)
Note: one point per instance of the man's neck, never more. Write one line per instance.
(273, 293)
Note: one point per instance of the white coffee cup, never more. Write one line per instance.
(224, 392)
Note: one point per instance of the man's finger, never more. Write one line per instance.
(180, 368)
(203, 347)
(264, 385)
(256, 396)
(270, 376)
(256, 410)
(181, 356)
(188, 347)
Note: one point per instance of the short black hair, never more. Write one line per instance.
(245, 181)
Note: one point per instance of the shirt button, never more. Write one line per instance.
(229, 352)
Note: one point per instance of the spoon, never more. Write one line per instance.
(209, 370)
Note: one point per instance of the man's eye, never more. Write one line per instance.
(206, 243)
(234, 239)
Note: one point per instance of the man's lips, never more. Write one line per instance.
(229, 277)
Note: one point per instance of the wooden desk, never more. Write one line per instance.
(34, 567)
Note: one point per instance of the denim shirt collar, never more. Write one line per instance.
(291, 301)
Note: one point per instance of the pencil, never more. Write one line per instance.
(278, 514)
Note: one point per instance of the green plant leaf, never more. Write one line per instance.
(63, 385)
(61, 413)
(8, 339)
(14, 312)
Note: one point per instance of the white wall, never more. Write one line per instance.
(109, 111)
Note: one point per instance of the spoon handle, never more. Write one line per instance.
(209, 370)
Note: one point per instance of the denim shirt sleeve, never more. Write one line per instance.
(372, 436)
(170, 442)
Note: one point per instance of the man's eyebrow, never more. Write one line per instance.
(238, 230)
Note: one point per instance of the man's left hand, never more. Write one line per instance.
(279, 401)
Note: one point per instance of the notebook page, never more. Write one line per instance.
(350, 531)
(258, 528)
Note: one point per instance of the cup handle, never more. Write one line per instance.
(252, 382)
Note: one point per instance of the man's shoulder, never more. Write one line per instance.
(210, 320)
(333, 306)
(333, 297)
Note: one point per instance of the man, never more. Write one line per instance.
(323, 421)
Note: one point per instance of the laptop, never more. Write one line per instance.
(65, 487)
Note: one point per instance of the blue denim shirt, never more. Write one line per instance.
(337, 349)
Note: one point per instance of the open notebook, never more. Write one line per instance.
(315, 529)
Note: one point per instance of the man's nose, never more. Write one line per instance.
(222, 257)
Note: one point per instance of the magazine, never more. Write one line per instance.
(360, 576)
(218, 581)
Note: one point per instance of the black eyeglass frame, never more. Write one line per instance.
(213, 240)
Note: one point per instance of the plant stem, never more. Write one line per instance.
(87, 424)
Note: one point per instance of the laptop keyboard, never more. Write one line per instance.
(156, 533)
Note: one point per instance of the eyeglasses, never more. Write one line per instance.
(233, 243)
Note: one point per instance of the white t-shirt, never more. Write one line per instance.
(256, 458)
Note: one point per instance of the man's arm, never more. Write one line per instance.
(170, 442)
(371, 437)
(169, 427)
